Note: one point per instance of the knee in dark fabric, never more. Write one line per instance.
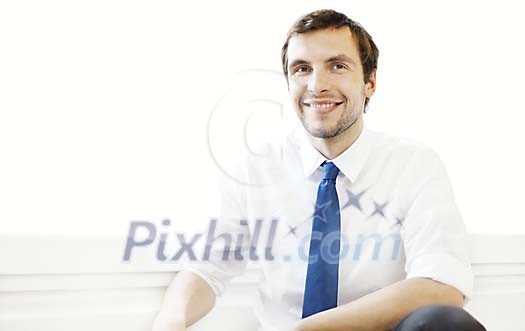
(439, 318)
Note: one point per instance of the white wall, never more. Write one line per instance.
(105, 105)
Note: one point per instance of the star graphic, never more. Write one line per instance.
(379, 209)
(322, 211)
(323, 217)
(399, 221)
(354, 200)
(291, 230)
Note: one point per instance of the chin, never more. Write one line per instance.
(323, 133)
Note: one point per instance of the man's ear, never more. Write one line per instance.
(370, 87)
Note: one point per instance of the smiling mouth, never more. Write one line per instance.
(322, 108)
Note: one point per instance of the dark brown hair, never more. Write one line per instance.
(327, 18)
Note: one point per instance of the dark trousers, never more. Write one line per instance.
(439, 318)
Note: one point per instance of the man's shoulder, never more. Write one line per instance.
(396, 145)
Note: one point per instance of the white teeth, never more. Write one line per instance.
(322, 105)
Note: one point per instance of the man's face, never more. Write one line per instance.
(325, 80)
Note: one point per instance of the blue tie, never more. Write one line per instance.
(323, 260)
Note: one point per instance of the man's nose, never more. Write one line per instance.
(318, 82)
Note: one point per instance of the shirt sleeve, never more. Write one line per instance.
(227, 224)
(433, 233)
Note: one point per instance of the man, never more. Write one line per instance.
(368, 235)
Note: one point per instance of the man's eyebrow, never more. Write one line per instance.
(341, 58)
(337, 58)
(296, 63)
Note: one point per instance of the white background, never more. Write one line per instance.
(105, 106)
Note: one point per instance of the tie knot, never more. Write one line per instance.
(330, 170)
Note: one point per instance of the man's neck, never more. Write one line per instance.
(333, 147)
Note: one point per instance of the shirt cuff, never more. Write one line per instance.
(445, 269)
(217, 286)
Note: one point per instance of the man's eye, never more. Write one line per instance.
(302, 69)
(339, 66)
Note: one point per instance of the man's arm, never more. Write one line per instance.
(384, 308)
(187, 299)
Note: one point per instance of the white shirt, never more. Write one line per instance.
(398, 221)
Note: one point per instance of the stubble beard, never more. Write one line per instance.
(345, 122)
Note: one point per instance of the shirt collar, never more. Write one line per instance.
(350, 162)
